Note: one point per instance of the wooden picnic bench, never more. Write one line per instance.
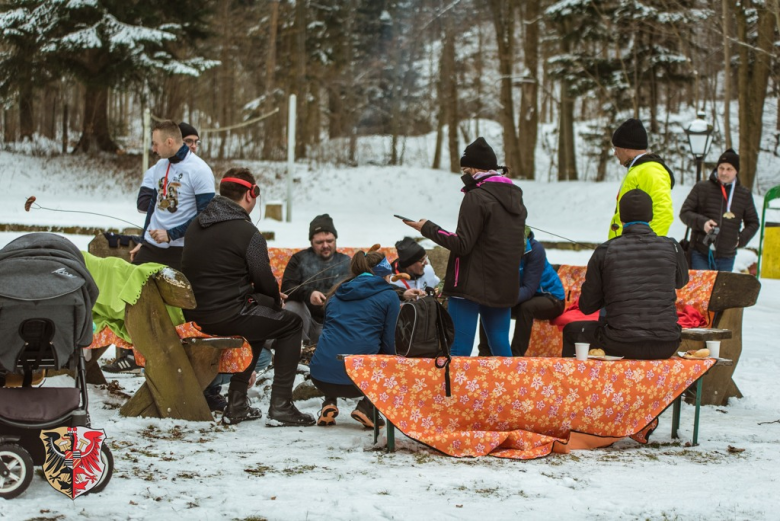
(177, 370)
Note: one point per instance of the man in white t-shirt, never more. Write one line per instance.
(413, 261)
(183, 186)
(190, 176)
(148, 189)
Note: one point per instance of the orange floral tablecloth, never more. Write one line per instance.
(521, 407)
(230, 361)
(547, 339)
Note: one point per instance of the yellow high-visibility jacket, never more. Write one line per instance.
(650, 175)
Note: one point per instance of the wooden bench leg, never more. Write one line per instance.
(94, 373)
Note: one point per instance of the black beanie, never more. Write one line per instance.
(631, 134)
(636, 205)
(322, 223)
(730, 157)
(187, 130)
(479, 155)
(409, 252)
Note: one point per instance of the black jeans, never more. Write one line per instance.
(542, 307)
(592, 332)
(334, 391)
(257, 324)
(168, 256)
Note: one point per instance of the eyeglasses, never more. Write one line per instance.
(192, 142)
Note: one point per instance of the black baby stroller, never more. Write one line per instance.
(46, 299)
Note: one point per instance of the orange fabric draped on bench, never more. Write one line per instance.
(521, 407)
(547, 339)
(230, 360)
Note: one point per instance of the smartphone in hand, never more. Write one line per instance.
(403, 218)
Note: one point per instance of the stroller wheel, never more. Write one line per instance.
(16, 470)
(108, 462)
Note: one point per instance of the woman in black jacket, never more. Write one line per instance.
(483, 271)
(715, 210)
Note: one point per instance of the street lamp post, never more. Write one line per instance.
(699, 134)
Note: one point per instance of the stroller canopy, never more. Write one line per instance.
(43, 275)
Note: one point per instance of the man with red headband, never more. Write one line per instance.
(226, 260)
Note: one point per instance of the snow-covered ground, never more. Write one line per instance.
(166, 469)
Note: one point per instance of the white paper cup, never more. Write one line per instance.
(581, 350)
(714, 347)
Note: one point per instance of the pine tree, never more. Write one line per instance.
(114, 43)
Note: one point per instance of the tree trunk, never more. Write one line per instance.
(753, 78)
(26, 116)
(271, 126)
(529, 103)
(450, 87)
(567, 164)
(726, 74)
(95, 136)
(503, 20)
(301, 86)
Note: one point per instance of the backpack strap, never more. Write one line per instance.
(447, 358)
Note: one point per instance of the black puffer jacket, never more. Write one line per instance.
(634, 277)
(706, 202)
(226, 260)
(486, 248)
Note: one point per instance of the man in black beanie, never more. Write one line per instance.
(632, 279)
(413, 261)
(647, 172)
(721, 215)
(311, 273)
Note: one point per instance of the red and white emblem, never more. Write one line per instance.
(73, 464)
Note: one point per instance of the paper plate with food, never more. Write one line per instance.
(599, 354)
(695, 354)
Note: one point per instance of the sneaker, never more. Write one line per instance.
(125, 364)
(328, 414)
(364, 414)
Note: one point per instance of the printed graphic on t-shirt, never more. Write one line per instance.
(168, 194)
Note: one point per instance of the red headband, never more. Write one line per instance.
(254, 190)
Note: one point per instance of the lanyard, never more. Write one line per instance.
(165, 182)
(729, 198)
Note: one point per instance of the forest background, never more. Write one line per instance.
(76, 76)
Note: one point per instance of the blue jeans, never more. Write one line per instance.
(464, 315)
(263, 361)
(699, 261)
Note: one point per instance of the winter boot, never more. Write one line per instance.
(214, 398)
(364, 414)
(283, 413)
(328, 413)
(238, 409)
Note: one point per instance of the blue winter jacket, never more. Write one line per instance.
(537, 276)
(359, 320)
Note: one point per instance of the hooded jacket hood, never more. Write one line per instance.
(222, 209)
(648, 158)
(362, 287)
(509, 196)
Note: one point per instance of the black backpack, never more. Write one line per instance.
(425, 330)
